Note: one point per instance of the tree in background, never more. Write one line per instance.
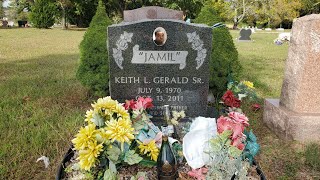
(190, 8)
(310, 7)
(284, 11)
(19, 9)
(239, 8)
(43, 13)
(93, 71)
(232, 10)
(224, 62)
(82, 12)
(1, 9)
(64, 5)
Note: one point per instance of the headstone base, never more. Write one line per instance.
(289, 125)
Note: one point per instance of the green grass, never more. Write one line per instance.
(42, 105)
(263, 62)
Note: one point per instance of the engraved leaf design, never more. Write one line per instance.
(122, 44)
(197, 44)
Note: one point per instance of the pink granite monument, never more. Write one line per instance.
(151, 12)
(296, 116)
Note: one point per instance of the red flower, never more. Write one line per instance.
(229, 99)
(255, 107)
(129, 104)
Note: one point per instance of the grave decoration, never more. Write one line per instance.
(167, 60)
(120, 141)
(159, 82)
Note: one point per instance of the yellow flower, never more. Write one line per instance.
(102, 136)
(105, 103)
(122, 112)
(120, 130)
(84, 137)
(248, 84)
(150, 149)
(174, 121)
(88, 156)
(89, 116)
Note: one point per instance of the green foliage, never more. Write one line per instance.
(312, 155)
(114, 154)
(147, 163)
(240, 89)
(224, 62)
(43, 13)
(225, 159)
(1, 10)
(109, 175)
(93, 71)
(132, 158)
(82, 12)
(190, 8)
(310, 7)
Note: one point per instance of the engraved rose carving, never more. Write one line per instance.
(197, 44)
(122, 44)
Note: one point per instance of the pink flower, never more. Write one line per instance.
(236, 122)
(199, 174)
(238, 143)
(239, 118)
(237, 130)
(129, 104)
(224, 123)
(143, 103)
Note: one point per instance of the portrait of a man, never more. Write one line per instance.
(159, 36)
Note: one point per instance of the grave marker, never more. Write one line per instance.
(175, 72)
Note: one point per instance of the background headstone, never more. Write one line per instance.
(245, 35)
(176, 73)
(297, 114)
(4, 23)
(151, 12)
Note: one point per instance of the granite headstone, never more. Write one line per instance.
(151, 12)
(175, 72)
(296, 116)
(245, 35)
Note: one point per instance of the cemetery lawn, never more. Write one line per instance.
(42, 105)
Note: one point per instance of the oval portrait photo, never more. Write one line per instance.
(159, 36)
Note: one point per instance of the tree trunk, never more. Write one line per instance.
(235, 25)
(64, 19)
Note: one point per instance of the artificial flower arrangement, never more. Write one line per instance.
(232, 151)
(116, 134)
(122, 134)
